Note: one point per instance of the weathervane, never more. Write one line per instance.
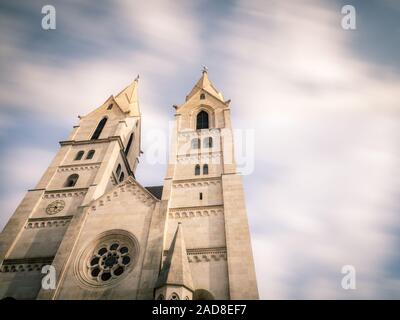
(205, 69)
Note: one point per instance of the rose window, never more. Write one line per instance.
(109, 261)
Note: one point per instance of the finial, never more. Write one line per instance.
(205, 69)
(137, 78)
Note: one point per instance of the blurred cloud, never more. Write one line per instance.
(22, 167)
(328, 128)
(324, 192)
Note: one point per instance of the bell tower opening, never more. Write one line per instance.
(202, 120)
(99, 129)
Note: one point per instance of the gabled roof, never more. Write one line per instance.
(176, 270)
(129, 180)
(205, 84)
(127, 99)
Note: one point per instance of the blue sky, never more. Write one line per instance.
(323, 104)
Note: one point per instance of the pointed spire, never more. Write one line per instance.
(127, 99)
(205, 84)
(176, 269)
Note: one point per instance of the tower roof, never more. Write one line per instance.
(176, 270)
(205, 84)
(127, 99)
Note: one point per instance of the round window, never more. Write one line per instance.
(107, 259)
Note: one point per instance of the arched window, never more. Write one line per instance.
(128, 146)
(90, 154)
(205, 169)
(196, 143)
(79, 155)
(174, 296)
(202, 96)
(71, 181)
(202, 120)
(121, 177)
(110, 106)
(197, 170)
(208, 142)
(160, 297)
(99, 129)
(118, 171)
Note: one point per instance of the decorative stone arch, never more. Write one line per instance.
(71, 180)
(79, 155)
(174, 296)
(211, 116)
(202, 294)
(105, 254)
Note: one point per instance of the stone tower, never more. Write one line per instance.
(105, 236)
(205, 195)
(101, 151)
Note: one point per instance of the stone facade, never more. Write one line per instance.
(108, 237)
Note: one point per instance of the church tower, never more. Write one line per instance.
(101, 151)
(206, 205)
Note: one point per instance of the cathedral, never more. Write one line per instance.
(108, 237)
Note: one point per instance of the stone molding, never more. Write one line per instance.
(113, 180)
(203, 133)
(46, 222)
(78, 167)
(196, 182)
(199, 255)
(128, 186)
(191, 212)
(209, 157)
(53, 194)
(25, 264)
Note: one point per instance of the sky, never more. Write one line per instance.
(322, 103)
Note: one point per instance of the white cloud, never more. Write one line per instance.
(167, 28)
(6, 122)
(155, 38)
(327, 127)
(21, 169)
